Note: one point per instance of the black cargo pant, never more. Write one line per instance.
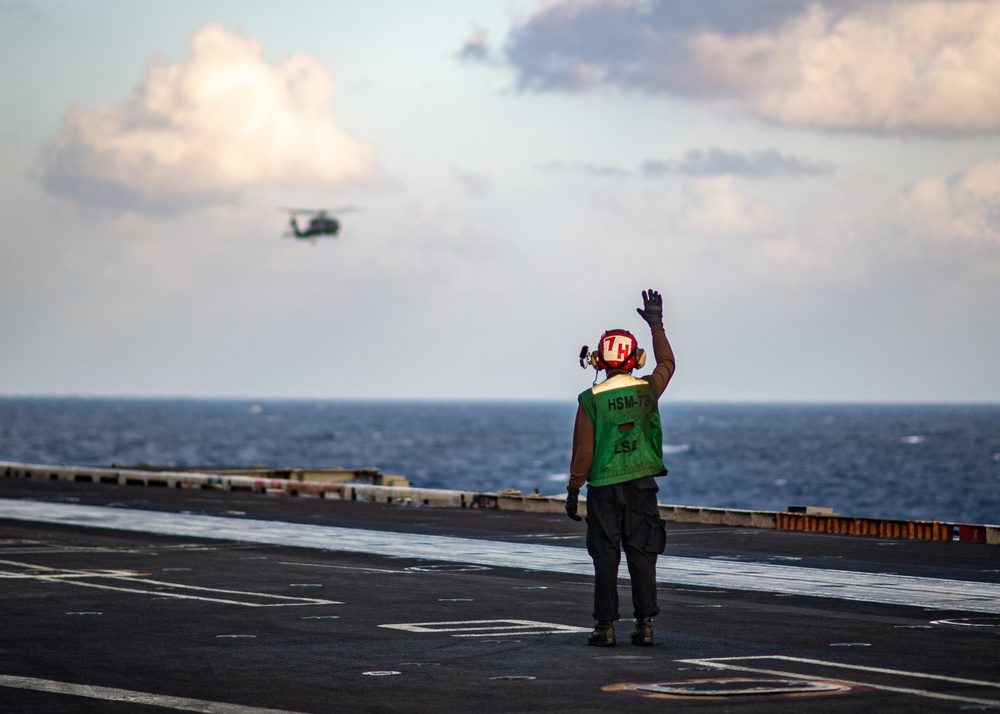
(625, 514)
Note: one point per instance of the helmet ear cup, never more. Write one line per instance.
(595, 359)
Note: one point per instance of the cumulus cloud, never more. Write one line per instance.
(963, 207)
(881, 66)
(205, 129)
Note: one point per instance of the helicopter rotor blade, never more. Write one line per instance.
(319, 211)
(346, 209)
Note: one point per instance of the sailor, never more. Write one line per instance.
(617, 452)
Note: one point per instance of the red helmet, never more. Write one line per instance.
(619, 350)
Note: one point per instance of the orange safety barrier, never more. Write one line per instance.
(881, 528)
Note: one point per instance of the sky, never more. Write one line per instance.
(814, 188)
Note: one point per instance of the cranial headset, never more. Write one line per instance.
(618, 350)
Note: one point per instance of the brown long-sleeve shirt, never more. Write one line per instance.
(583, 430)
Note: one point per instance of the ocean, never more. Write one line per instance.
(933, 462)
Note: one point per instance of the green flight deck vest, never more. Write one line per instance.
(628, 436)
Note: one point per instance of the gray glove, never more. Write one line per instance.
(572, 504)
(652, 308)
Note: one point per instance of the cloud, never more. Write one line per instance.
(205, 129)
(712, 162)
(601, 170)
(964, 207)
(713, 208)
(475, 48)
(474, 183)
(925, 66)
(716, 162)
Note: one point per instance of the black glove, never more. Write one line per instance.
(652, 308)
(572, 503)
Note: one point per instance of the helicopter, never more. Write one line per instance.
(320, 225)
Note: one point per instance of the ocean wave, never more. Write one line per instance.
(865, 460)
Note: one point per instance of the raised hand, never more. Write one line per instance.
(652, 307)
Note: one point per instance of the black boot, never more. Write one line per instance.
(643, 634)
(603, 634)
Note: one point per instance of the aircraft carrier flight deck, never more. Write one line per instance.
(124, 599)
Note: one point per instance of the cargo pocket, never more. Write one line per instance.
(657, 540)
(648, 533)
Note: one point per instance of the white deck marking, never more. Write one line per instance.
(73, 577)
(731, 664)
(935, 593)
(111, 694)
(489, 628)
(363, 569)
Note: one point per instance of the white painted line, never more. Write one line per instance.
(299, 601)
(743, 686)
(729, 663)
(488, 628)
(861, 668)
(969, 622)
(72, 577)
(111, 694)
(401, 571)
(935, 593)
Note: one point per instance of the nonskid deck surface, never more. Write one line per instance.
(119, 599)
